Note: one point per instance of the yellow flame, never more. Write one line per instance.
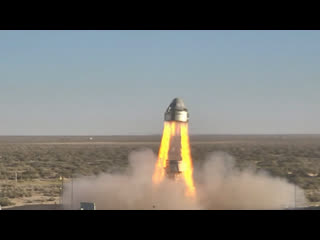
(187, 161)
(159, 172)
(171, 129)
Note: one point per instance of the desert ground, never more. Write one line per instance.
(31, 168)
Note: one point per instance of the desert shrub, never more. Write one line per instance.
(30, 174)
(277, 172)
(10, 191)
(48, 194)
(27, 194)
(5, 202)
(313, 197)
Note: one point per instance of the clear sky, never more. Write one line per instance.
(121, 82)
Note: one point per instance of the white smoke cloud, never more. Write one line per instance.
(226, 187)
(221, 186)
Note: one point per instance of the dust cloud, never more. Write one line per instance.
(220, 186)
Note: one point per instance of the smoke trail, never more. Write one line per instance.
(221, 186)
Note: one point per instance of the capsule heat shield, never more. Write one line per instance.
(180, 116)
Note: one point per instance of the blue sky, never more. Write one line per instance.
(121, 82)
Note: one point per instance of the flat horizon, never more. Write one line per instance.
(160, 134)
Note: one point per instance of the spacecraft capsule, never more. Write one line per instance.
(177, 111)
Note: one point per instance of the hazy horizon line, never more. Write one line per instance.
(133, 135)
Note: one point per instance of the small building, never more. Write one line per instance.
(87, 206)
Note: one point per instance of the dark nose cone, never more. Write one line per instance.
(177, 111)
(177, 104)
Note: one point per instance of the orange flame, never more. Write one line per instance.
(187, 161)
(163, 154)
(172, 129)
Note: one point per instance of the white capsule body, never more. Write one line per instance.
(177, 111)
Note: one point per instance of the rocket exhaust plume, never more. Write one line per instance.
(174, 159)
